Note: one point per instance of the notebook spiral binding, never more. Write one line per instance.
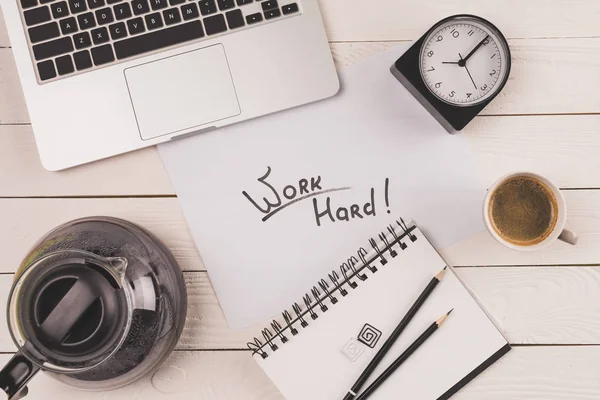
(351, 273)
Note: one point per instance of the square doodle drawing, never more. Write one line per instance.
(369, 335)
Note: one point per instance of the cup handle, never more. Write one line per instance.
(568, 236)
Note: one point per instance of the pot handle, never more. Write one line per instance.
(16, 374)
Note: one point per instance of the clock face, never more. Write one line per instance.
(464, 61)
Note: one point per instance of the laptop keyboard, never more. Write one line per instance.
(67, 37)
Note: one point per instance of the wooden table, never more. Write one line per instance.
(547, 120)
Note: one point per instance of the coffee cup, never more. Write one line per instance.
(525, 211)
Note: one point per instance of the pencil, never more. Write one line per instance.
(403, 357)
(394, 336)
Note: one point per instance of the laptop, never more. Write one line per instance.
(104, 77)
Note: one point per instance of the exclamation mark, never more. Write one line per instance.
(387, 196)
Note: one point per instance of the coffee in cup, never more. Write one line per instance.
(523, 211)
(526, 211)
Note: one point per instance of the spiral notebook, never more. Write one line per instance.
(322, 344)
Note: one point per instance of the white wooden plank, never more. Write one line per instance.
(24, 221)
(228, 375)
(354, 20)
(530, 305)
(500, 144)
(12, 102)
(541, 80)
(534, 373)
(540, 305)
(364, 20)
(32, 218)
(563, 148)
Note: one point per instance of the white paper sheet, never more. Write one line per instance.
(262, 257)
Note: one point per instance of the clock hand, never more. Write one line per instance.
(450, 62)
(465, 65)
(475, 49)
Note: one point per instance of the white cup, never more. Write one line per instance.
(559, 231)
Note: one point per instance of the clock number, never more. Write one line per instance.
(484, 87)
(493, 72)
(455, 33)
(439, 39)
(452, 93)
(438, 85)
(486, 42)
(469, 95)
(430, 53)
(432, 69)
(471, 32)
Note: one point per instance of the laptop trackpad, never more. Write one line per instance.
(182, 92)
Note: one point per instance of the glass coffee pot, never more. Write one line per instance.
(98, 303)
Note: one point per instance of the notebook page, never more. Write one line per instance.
(325, 359)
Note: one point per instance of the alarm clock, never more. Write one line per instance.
(456, 69)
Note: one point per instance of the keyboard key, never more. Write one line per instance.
(171, 16)
(208, 7)
(117, 31)
(100, 35)
(190, 11)
(95, 4)
(28, 3)
(158, 39)
(37, 15)
(235, 19)
(226, 4)
(113, 1)
(158, 4)
(254, 18)
(43, 32)
(46, 70)
(140, 7)
(77, 6)
(60, 9)
(68, 25)
(269, 5)
(272, 14)
(289, 8)
(86, 21)
(135, 26)
(122, 11)
(82, 60)
(82, 40)
(64, 65)
(243, 2)
(215, 24)
(53, 48)
(103, 55)
(104, 16)
(153, 21)
(176, 2)
(46, 1)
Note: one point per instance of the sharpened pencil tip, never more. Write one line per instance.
(440, 274)
(440, 321)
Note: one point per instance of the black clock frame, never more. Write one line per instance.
(407, 70)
